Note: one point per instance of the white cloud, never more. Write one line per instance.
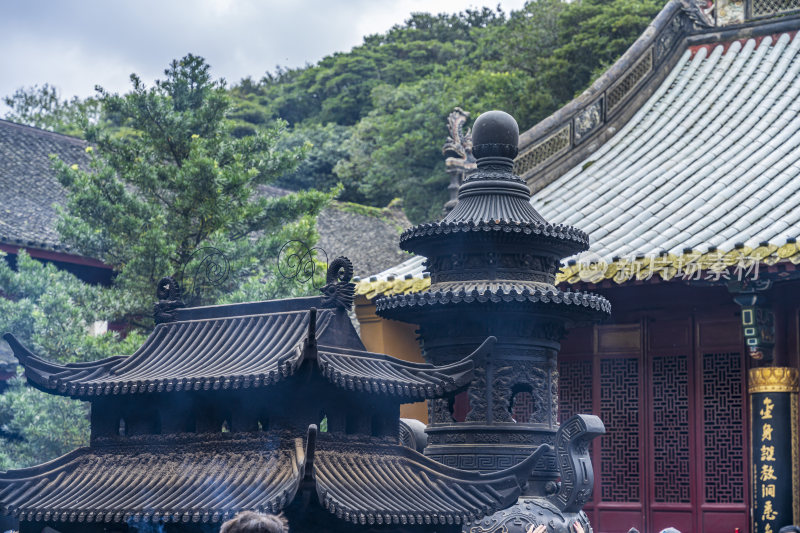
(76, 44)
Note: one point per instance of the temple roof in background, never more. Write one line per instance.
(28, 186)
(29, 190)
(684, 155)
(344, 228)
(710, 161)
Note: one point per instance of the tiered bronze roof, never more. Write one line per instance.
(218, 412)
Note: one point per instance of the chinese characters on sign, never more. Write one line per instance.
(773, 415)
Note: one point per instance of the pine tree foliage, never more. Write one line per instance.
(177, 187)
(52, 312)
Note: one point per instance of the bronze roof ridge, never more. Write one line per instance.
(758, 27)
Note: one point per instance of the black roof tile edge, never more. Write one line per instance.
(441, 379)
(554, 231)
(121, 514)
(519, 473)
(590, 301)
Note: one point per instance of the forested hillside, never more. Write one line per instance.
(374, 117)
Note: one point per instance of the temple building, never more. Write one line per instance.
(682, 162)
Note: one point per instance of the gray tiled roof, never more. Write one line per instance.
(368, 237)
(29, 190)
(712, 159)
(28, 187)
(370, 242)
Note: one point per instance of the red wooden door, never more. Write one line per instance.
(722, 483)
(671, 394)
(670, 403)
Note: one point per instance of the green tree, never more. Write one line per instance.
(36, 427)
(155, 200)
(42, 107)
(338, 88)
(593, 34)
(326, 145)
(156, 196)
(51, 311)
(396, 150)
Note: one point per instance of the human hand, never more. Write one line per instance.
(539, 529)
(577, 527)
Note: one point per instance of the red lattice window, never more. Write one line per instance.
(671, 450)
(620, 471)
(723, 430)
(574, 388)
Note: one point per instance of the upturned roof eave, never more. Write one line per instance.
(92, 484)
(345, 367)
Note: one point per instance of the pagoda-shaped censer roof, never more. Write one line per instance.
(493, 246)
(209, 480)
(243, 352)
(492, 261)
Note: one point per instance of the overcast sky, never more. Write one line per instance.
(76, 44)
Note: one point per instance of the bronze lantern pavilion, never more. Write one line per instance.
(218, 412)
(493, 261)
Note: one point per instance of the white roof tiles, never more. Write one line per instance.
(413, 267)
(712, 159)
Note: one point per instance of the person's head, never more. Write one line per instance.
(250, 522)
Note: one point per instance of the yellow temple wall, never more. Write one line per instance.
(392, 338)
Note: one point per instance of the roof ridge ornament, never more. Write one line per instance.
(170, 299)
(339, 291)
(458, 144)
(310, 342)
(697, 12)
(458, 150)
(308, 454)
